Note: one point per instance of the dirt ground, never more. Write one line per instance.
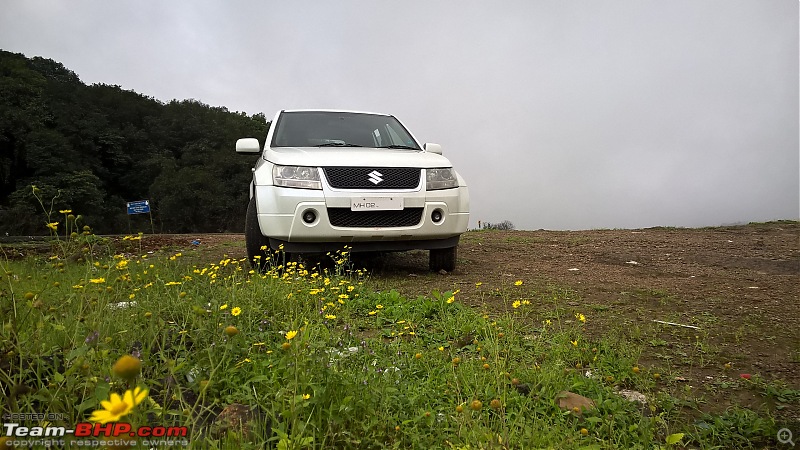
(739, 285)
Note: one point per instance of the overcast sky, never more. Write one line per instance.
(559, 114)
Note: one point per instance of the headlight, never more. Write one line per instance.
(296, 177)
(440, 179)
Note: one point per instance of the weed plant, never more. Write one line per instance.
(318, 358)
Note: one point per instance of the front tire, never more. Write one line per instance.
(443, 259)
(258, 250)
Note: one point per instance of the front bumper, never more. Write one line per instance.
(281, 210)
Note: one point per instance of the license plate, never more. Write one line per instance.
(376, 204)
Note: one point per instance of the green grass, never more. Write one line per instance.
(326, 360)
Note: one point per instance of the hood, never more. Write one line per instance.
(353, 157)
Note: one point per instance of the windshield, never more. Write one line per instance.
(340, 129)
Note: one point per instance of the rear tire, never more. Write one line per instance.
(443, 259)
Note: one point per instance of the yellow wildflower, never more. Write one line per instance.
(127, 367)
(518, 283)
(243, 362)
(516, 304)
(236, 311)
(100, 280)
(117, 407)
(291, 334)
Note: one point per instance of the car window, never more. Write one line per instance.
(395, 136)
(325, 128)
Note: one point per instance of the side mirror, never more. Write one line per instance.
(248, 145)
(433, 148)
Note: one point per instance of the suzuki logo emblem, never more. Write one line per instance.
(375, 177)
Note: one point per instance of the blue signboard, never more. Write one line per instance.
(139, 207)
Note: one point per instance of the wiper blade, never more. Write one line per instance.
(338, 144)
(407, 147)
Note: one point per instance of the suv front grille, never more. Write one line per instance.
(373, 177)
(344, 217)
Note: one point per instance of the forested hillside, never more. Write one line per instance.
(94, 148)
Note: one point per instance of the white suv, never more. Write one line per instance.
(328, 179)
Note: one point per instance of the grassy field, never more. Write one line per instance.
(326, 357)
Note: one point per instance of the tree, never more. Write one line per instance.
(21, 111)
(505, 225)
(101, 146)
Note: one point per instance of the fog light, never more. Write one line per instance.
(436, 215)
(309, 216)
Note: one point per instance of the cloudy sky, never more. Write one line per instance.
(560, 115)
